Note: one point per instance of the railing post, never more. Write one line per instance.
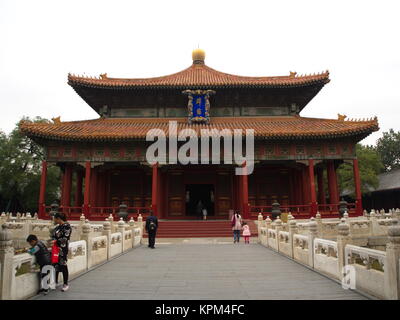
(292, 232)
(121, 229)
(259, 225)
(86, 235)
(343, 239)
(107, 232)
(278, 227)
(6, 263)
(312, 234)
(268, 222)
(391, 272)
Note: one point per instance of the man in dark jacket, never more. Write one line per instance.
(151, 229)
(43, 257)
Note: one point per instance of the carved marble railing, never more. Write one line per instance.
(24, 277)
(272, 239)
(326, 257)
(300, 248)
(369, 269)
(77, 257)
(99, 247)
(284, 245)
(128, 241)
(115, 244)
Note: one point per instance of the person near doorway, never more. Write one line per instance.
(246, 233)
(204, 213)
(236, 226)
(199, 209)
(151, 229)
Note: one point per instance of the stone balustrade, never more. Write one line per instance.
(374, 272)
(94, 244)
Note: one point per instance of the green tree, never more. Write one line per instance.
(370, 165)
(20, 171)
(388, 147)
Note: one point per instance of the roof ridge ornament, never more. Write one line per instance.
(198, 56)
(56, 120)
(341, 117)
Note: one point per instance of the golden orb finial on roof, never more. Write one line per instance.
(198, 56)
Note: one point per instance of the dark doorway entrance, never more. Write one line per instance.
(199, 193)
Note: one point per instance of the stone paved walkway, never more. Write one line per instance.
(201, 269)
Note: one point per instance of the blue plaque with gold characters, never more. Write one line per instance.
(198, 105)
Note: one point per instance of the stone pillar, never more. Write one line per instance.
(343, 239)
(121, 229)
(6, 263)
(259, 225)
(318, 219)
(267, 222)
(391, 268)
(292, 232)
(42, 193)
(278, 227)
(107, 233)
(86, 235)
(111, 220)
(312, 234)
(3, 218)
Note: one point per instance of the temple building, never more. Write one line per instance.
(105, 158)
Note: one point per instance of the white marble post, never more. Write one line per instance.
(343, 239)
(391, 272)
(6, 263)
(312, 228)
(107, 232)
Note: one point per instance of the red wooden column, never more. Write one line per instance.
(86, 197)
(332, 182)
(154, 189)
(67, 183)
(93, 187)
(78, 190)
(305, 185)
(245, 192)
(42, 194)
(320, 182)
(313, 195)
(357, 187)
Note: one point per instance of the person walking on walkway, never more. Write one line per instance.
(236, 226)
(151, 229)
(43, 258)
(246, 233)
(62, 234)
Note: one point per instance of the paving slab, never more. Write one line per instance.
(202, 269)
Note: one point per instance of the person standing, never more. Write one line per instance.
(236, 226)
(62, 234)
(151, 229)
(199, 209)
(246, 233)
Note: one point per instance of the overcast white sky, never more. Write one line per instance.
(357, 41)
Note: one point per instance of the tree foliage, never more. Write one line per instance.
(370, 165)
(388, 147)
(20, 172)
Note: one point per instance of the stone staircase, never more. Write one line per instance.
(198, 229)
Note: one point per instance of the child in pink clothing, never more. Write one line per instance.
(246, 233)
